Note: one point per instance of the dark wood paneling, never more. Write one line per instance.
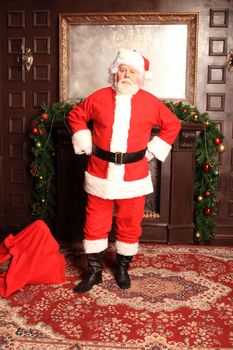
(24, 92)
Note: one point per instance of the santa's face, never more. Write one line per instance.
(127, 74)
(127, 79)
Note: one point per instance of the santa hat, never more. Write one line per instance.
(134, 59)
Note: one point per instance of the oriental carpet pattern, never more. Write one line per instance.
(180, 299)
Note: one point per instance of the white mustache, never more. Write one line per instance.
(127, 80)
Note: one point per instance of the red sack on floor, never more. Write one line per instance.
(35, 259)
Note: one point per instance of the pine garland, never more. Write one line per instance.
(42, 166)
(209, 145)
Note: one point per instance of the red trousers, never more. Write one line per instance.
(35, 259)
(99, 214)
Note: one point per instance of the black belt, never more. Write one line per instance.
(118, 158)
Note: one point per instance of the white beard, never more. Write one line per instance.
(126, 89)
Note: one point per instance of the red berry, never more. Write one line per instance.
(34, 131)
(208, 211)
(206, 167)
(217, 141)
(44, 116)
(207, 194)
(41, 132)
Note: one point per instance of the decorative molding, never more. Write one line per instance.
(17, 125)
(17, 176)
(219, 18)
(41, 45)
(215, 102)
(41, 97)
(16, 99)
(16, 151)
(216, 74)
(148, 18)
(16, 19)
(41, 72)
(18, 200)
(41, 18)
(15, 44)
(16, 73)
(216, 48)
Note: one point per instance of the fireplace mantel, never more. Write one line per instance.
(174, 222)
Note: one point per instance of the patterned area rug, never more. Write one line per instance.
(180, 299)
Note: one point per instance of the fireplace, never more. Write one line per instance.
(168, 215)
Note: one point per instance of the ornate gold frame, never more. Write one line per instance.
(66, 20)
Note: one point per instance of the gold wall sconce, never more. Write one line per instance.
(25, 58)
(230, 60)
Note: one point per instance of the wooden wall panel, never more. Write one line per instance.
(24, 91)
(16, 19)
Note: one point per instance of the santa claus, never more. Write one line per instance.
(119, 146)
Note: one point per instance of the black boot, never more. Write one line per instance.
(94, 273)
(122, 276)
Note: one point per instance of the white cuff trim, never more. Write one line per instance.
(127, 249)
(149, 155)
(82, 141)
(95, 246)
(159, 147)
(106, 189)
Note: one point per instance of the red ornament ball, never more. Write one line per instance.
(34, 131)
(207, 194)
(208, 211)
(44, 116)
(217, 141)
(206, 167)
(41, 132)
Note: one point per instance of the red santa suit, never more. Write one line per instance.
(121, 123)
(35, 259)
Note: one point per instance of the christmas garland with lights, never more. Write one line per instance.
(209, 145)
(43, 164)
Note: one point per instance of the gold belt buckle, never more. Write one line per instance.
(118, 158)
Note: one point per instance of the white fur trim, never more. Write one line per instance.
(149, 155)
(127, 249)
(148, 75)
(159, 147)
(82, 141)
(129, 57)
(120, 130)
(106, 189)
(95, 246)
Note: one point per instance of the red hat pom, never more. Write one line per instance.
(148, 73)
(146, 64)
